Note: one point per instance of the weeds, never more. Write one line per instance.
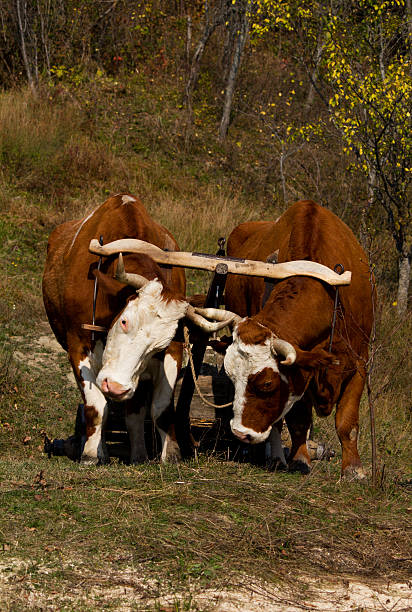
(75, 537)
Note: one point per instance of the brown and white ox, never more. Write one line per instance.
(279, 360)
(142, 324)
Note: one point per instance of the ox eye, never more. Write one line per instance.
(266, 387)
(124, 324)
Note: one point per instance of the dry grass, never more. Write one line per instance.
(155, 529)
(198, 222)
(45, 149)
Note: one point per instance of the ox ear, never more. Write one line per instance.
(111, 286)
(311, 360)
(222, 344)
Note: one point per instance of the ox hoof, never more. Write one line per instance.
(299, 466)
(171, 452)
(138, 459)
(276, 464)
(172, 458)
(88, 460)
(354, 472)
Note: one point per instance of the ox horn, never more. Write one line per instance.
(208, 326)
(134, 280)
(217, 314)
(281, 347)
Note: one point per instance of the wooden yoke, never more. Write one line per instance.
(201, 261)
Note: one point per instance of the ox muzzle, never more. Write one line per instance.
(115, 391)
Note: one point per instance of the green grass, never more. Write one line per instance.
(194, 525)
(159, 530)
(80, 538)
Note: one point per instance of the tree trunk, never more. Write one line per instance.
(234, 68)
(210, 26)
(22, 24)
(409, 22)
(188, 39)
(44, 33)
(403, 283)
(282, 173)
(364, 232)
(314, 76)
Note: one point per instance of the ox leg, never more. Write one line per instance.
(347, 426)
(162, 408)
(275, 457)
(135, 418)
(95, 411)
(135, 429)
(299, 420)
(85, 368)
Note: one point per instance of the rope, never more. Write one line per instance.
(189, 353)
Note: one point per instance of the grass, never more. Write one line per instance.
(190, 526)
(80, 538)
(74, 537)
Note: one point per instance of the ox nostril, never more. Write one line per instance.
(242, 436)
(114, 389)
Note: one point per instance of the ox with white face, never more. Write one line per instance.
(262, 394)
(146, 326)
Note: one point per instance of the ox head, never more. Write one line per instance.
(259, 365)
(145, 326)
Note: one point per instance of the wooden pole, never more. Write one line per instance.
(201, 261)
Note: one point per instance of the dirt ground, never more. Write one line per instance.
(131, 589)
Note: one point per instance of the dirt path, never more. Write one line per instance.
(337, 595)
(41, 351)
(132, 587)
(132, 590)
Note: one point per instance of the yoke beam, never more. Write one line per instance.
(202, 261)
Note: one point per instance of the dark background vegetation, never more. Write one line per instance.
(100, 105)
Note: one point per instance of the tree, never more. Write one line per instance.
(359, 60)
(235, 16)
(369, 70)
(237, 32)
(214, 16)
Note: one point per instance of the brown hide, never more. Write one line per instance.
(68, 281)
(299, 310)
(68, 288)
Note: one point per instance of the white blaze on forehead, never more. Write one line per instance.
(126, 199)
(241, 361)
(151, 325)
